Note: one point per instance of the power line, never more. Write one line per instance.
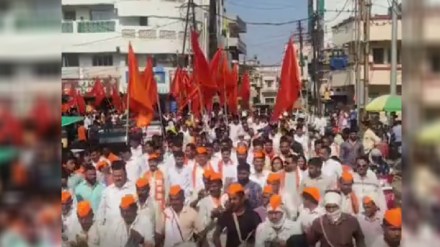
(261, 8)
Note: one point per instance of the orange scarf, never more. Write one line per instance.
(297, 178)
(112, 157)
(158, 178)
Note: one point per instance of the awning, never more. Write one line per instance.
(68, 120)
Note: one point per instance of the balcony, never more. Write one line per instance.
(238, 44)
(379, 76)
(96, 26)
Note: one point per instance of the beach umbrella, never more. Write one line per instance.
(388, 103)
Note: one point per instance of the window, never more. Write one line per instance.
(69, 15)
(143, 21)
(435, 62)
(269, 83)
(102, 60)
(47, 69)
(378, 55)
(70, 60)
(101, 15)
(270, 100)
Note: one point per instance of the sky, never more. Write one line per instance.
(267, 42)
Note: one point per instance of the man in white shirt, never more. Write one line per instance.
(135, 144)
(86, 232)
(330, 167)
(226, 167)
(234, 129)
(112, 195)
(179, 174)
(131, 228)
(258, 173)
(277, 228)
(133, 164)
(320, 123)
(311, 209)
(302, 138)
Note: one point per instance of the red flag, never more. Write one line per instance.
(150, 82)
(290, 83)
(245, 92)
(201, 73)
(233, 91)
(138, 91)
(176, 87)
(116, 99)
(99, 92)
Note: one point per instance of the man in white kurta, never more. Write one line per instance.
(180, 222)
(180, 174)
(310, 209)
(212, 206)
(129, 227)
(277, 228)
(112, 195)
(258, 173)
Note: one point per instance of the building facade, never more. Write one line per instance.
(96, 34)
(342, 77)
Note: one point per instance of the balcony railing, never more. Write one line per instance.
(67, 27)
(96, 26)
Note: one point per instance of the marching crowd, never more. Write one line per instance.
(305, 180)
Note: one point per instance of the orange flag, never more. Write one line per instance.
(98, 91)
(290, 83)
(150, 81)
(137, 89)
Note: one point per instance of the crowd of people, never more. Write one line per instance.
(304, 180)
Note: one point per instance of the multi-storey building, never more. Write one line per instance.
(96, 34)
(342, 78)
(29, 53)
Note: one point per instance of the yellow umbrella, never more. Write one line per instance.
(430, 134)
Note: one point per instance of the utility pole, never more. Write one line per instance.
(300, 30)
(317, 46)
(212, 28)
(185, 34)
(301, 63)
(393, 83)
(357, 52)
(367, 14)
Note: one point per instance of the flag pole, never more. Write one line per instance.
(159, 108)
(128, 114)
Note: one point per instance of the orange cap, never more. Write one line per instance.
(275, 203)
(83, 209)
(127, 201)
(153, 156)
(394, 217)
(142, 182)
(215, 176)
(66, 196)
(259, 155)
(101, 165)
(241, 150)
(175, 190)
(274, 177)
(202, 150)
(347, 177)
(313, 192)
(235, 188)
(267, 189)
(367, 199)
